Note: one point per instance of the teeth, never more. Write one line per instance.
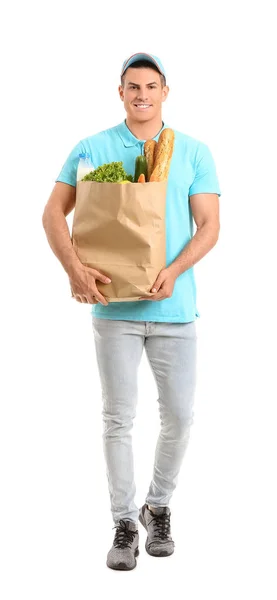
(143, 105)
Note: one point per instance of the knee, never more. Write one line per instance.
(117, 422)
(177, 425)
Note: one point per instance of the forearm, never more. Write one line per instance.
(202, 242)
(58, 236)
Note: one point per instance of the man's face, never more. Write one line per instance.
(142, 93)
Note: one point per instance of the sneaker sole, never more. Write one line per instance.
(123, 566)
(162, 552)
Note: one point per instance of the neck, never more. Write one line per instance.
(144, 131)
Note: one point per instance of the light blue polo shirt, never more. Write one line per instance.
(192, 171)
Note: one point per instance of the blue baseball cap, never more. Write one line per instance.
(142, 56)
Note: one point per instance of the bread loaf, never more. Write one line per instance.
(150, 147)
(163, 155)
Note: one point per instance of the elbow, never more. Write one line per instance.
(216, 236)
(213, 234)
(44, 217)
(211, 230)
(217, 231)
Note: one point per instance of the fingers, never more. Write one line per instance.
(80, 298)
(101, 299)
(154, 298)
(97, 275)
(83, 299)
(90, 292)
(98, 296)
(87, 299)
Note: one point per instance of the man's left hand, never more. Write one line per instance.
(163, 286)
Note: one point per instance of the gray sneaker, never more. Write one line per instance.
(122, 555)
(157, 524)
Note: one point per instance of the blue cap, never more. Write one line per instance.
(142, 56)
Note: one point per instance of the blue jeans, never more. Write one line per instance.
(171, 351)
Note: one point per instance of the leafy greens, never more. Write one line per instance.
(113, 172)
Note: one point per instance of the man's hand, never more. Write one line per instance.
(163, 286)
(83, 285)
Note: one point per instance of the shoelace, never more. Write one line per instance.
(123, 536)
(162, 525)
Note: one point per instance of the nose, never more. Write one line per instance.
(142, 95)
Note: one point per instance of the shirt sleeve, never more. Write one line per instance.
(205, 179)
(68, 173)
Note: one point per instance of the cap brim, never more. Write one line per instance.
(141, 56)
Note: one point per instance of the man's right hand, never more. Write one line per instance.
(83, 285)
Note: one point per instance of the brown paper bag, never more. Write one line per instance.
(119, 229)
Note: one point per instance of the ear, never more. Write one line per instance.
(165, 92)
(121, 92)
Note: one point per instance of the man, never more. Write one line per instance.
(163, 324)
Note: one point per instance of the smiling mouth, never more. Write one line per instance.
(142, 106)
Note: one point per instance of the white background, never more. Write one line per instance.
(60, 80)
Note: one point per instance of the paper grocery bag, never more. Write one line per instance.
(119, 229)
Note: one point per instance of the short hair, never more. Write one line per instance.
(147, 65)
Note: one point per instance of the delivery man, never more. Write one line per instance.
(164, 324)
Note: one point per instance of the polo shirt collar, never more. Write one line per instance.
(128, 138)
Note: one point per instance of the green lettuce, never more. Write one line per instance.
(110, 172)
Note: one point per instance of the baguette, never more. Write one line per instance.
(150, 147)
(163, 155)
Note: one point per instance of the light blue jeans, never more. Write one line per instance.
(171, 351)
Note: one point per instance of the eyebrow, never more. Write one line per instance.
(137, 84)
